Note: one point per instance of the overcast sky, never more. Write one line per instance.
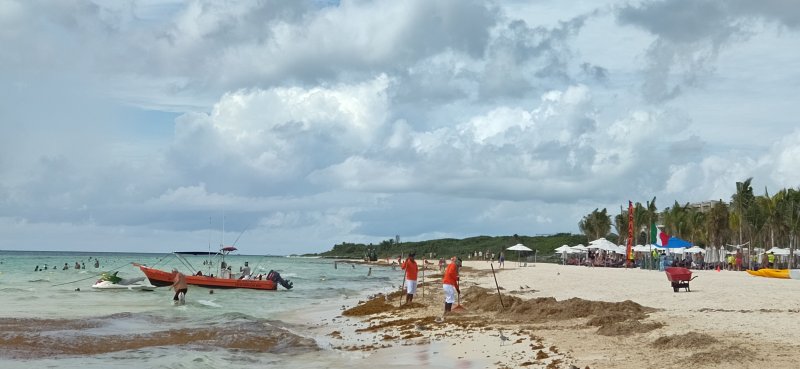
(136, 125)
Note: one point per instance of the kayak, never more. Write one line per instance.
(776, 273)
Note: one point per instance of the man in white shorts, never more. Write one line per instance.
(411, 270)
(450, 283)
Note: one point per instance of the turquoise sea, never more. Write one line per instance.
(54, 319)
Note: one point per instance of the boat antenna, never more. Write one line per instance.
(240, 235)
(222, 235)
(208, 260)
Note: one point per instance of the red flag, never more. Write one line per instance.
(629, 249)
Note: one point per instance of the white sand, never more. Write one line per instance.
(734, 307)
(754, 321)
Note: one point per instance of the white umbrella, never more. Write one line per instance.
(778, 251)
(695, 249)
(561, 249)
(518, 248)
(579, 248)
(677, 250)
(603, 244)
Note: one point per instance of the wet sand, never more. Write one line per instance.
(28, 338)
(555, 316)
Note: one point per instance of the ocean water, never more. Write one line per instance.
(54, 319)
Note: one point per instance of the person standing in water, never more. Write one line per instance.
(180, 287)
(411, 270)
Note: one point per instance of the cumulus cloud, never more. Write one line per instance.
(689, 36)
(360, 120)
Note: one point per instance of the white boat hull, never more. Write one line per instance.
(107, 285)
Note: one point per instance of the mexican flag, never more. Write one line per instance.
(658, 238)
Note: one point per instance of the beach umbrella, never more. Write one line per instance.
(695, 250)
(579, 248)
(602, 244)
(778, 251)
(519, 248)
(563, 250)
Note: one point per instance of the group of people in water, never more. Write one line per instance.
(78, 265)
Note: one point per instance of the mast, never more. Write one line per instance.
(208, 260)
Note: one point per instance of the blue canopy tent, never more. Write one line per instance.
(672, 243)
(675, 242)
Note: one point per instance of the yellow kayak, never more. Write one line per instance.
(776, 273)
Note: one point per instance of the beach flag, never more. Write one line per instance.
(658, 238)
(628, 249)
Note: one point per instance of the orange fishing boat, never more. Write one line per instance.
(269, 282)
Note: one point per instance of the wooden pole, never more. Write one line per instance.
(423, 277)
(498, 287)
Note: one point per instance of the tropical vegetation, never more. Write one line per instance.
(447, 247)
(747, 220)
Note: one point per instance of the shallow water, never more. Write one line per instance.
(53, 318)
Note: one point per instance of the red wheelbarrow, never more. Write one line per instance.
(679, 277)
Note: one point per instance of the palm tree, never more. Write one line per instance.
(742, 201)
(640, 218)
(676, 220)
(793, 215)
(697, 227)
(596, 224)
(717, 223)
(621, 222)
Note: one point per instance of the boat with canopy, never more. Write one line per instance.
(223, 278)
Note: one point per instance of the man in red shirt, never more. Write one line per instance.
(450, 283)
(411, 268)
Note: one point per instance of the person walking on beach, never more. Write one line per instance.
(180, 287)
(502, 260)
(450, 284)
(411, 270)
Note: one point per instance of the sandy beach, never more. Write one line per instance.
(555, 316)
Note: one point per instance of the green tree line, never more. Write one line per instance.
(447, 247)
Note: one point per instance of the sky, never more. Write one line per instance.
(295, 125)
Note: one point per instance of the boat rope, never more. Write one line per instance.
(257, 266)
(160, 260)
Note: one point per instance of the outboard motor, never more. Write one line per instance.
(276, 277)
